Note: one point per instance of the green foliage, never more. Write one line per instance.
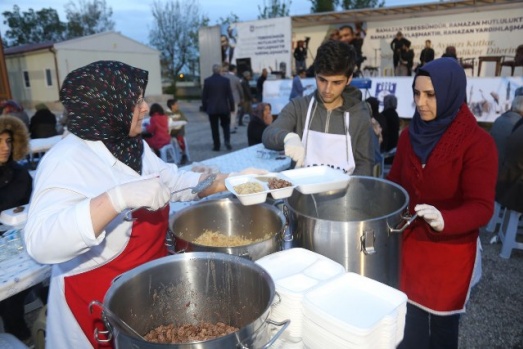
(359, 4)
(230, 19)
(31, 27)
(331, 5)
(323, 6)
(276, 8)
(175, 34)
(88, 17)
(84, 18)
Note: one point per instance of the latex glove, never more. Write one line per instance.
(150, 193)
(431, 215)
(204, 168)
(250, 170)
(294, 148)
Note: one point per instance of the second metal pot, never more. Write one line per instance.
(228, 216)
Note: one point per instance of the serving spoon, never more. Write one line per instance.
(198, 188)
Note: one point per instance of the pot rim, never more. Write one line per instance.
(391, 214)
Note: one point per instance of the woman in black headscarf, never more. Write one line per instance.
(84, 185)
(448, 165)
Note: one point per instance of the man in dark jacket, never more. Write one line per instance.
(218, 101)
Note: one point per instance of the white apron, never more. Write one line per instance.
(329, 149)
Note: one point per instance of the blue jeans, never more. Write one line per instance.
(424, 330)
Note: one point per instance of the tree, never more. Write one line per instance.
(230, 19)
(88, 17)
(275, 9)
(175, 33)
(323, 6)
(358, 4)
(32, 27)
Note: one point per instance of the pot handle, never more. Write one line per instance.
(284, 324)
(287, 235)
(408, 221)
(108, 334)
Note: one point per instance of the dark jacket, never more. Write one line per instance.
(509, 188)
(43, 124)
(217, 95)
(390, 138)
(255, 131)
(16, 185)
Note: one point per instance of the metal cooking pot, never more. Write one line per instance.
(189, 288)
(359, 227)
(232, 218)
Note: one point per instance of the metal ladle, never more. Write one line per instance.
(201, 186)
(115, 318)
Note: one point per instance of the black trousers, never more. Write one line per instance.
(428, 331)
(224, 120)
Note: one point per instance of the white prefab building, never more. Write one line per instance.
(36, 71)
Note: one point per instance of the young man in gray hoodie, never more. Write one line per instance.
(331, 126)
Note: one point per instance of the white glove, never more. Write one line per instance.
(249, 170)
(294, 148)
(431, 215)
(150, 193)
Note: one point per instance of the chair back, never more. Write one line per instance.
(519, 55)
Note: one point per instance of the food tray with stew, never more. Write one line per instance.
(253, 189)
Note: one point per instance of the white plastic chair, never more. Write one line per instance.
(497, 218)
(179, 151)
(168, 153)
(508, 233)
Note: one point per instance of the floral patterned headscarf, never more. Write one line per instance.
(99, 99)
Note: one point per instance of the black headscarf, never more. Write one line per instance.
(450, 83)
(99, 99)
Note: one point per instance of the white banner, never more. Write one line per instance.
(487, 98)
(267, 43)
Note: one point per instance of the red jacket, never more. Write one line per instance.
(459, 180)
(159, 128)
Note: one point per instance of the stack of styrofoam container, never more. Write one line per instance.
(353, 311)
(295, 272)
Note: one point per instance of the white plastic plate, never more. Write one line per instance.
(317, 179)
(14, 216)
(247, 199)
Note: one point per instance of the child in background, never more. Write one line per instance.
(178, 133)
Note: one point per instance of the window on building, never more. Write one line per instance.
(27, 82)
(48, 77)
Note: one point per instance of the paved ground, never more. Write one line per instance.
(494, 317)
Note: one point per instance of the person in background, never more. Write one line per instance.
(229, 71)
(158, 128)
(332, 34)
(392, 119)
(330, 126)
(406, 62)
(450, 52)
(427, 54)
(503, 126)
(374, 105)
(218, 102)
(509, 187)
(262, 118)
(43, 123)
(300, 55)
(447, 164)
(396, 45)
(348, 36)
(84, 187)
(12, 108)
(297, 87)
(16, 185)
(178, 133)
(259, 83)
(376, 135)
(248, 98)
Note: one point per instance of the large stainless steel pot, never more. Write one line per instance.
(229, 217)
(359, 227)
(189, 288)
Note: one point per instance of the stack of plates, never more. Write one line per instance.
(353, 311)
(295, 272)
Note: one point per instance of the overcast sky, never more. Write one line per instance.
(133, 17)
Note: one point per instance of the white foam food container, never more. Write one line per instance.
(317, 179)
(15, 216)
(257, 198)
(353, 303)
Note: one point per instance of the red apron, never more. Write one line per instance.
(147, 242)
(436, 275)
